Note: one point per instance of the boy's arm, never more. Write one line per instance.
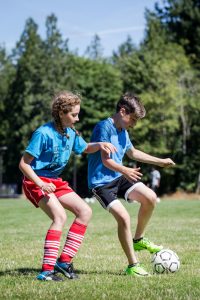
(149, 159)
(132, 174)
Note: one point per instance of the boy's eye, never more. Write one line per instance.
(74, 115)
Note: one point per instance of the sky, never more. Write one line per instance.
(78, 20)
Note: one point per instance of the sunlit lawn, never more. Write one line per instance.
(100, 261)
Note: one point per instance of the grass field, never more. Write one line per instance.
(100, 261)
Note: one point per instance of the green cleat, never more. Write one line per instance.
(145, 244)
(136, 270)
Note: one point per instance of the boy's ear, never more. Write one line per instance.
(123, 111)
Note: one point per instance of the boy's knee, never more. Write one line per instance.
(124, 220)
(151, 198)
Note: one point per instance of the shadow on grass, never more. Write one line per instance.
(32, 271)
(20, 272)
(103, 272)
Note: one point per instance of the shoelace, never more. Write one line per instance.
(148, 241)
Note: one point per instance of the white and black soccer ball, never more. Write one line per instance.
(165, 261)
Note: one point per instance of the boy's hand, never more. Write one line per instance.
(132, 174)
(166, 163)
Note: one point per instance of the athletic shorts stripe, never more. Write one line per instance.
(29, 193)
(112, 203)
(131, 189)
(99, 198)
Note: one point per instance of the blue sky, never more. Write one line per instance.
(78, 20)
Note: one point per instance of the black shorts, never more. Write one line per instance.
(110, 192)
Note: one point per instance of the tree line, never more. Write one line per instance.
(164, 71)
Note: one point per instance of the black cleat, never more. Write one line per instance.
(66, 269)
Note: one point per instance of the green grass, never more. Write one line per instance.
(100, 261)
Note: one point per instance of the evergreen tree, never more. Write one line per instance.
(24, 103)
(181, 18)
(185, 94)
(95, 50)
(124, 49)
(56, 50)
(40, 71)
(7, 75)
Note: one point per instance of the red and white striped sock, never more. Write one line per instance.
(73, 241)
(51, 248)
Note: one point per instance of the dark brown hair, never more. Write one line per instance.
(132, 104)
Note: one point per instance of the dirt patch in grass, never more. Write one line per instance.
(182, 195)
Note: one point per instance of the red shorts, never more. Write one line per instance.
(35, 194)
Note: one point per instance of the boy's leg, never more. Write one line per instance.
(147, 199)
(125, 237)
(76, 232)
(106, 196)
(124, 230)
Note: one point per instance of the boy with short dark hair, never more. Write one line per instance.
(109, 179)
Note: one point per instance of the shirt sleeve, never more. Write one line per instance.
(79, 145)
(36, 145)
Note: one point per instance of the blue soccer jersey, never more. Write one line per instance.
(105, 131)
(51, 150)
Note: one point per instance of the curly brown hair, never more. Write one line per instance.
(63, 101)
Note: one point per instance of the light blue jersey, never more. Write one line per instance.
(51, 150)
(105, 131)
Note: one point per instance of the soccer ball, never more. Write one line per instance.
(165, 261)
